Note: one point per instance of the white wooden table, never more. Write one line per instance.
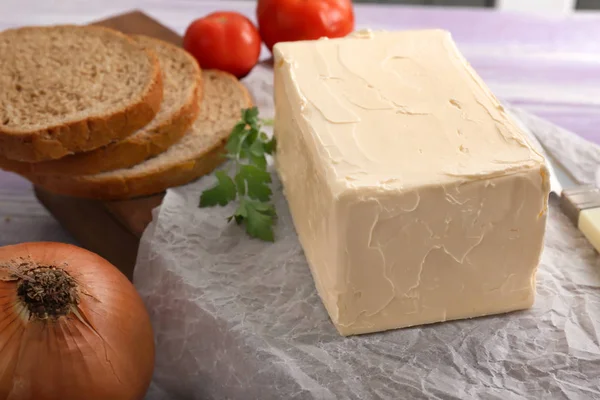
(547, 65)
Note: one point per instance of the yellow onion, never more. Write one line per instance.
(72, 327)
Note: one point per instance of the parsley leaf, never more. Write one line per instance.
(240, 182)
(221, 194)
(239, 214)
(257, 154)
(248, 148)
(257, 182)
(270, 146)
(259, 220)
(250, 115)
(235, 138)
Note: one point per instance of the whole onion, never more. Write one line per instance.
(72, 327)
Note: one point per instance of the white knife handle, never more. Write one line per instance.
(589, 225)
(582, 205)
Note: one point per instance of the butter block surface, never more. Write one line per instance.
(415, 198)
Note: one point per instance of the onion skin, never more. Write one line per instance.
(107, 353)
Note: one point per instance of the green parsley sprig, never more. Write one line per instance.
(248, 179)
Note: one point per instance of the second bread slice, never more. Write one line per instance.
(196, 154)
(182, 88)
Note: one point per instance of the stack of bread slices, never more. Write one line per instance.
(90, 112)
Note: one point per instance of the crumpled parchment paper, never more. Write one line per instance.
(237, 318)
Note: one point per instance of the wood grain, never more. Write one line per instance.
(111, 229)
(94, 228)
(136, 22)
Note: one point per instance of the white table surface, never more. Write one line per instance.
(547, 65)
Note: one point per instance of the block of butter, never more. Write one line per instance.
(416, 199)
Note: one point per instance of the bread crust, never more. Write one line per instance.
(60, 140)
(129, 151)
(145, 183)
(140, 185)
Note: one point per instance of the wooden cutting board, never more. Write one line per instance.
(111, 229)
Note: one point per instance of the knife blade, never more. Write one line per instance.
(581, 203)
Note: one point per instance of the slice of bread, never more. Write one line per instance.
(69, 89)
(182, 88)
(196, 154)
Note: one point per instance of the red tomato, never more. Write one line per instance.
(227, 41)
(290, 20)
